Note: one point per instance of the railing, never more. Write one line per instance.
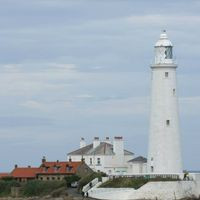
(90, 185)
(147, 175)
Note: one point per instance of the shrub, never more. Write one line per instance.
(70, 179)
(5, 187)
(85, 180)
(38, 188)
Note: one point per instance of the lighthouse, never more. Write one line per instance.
(164, 153)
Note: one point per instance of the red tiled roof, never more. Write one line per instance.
(24, 172)
(4, 175)
(59, 167)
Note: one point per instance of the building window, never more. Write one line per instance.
(166, 74)
(152, 169)
(53, 178)
(47, 178)
(168, 122)
(69, 168)
(58, 178)
(90, 161)
(98, 161)
(174, 91)
(168, 52)
(41, 178)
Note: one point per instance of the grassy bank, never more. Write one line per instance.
(130, 182)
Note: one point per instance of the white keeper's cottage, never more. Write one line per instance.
(105, 156)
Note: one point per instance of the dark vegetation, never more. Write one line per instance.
(131, 182)
(40, 188)
(43, 188)
(32, 188)
(5, 186)
(71, 179)
(85, 180)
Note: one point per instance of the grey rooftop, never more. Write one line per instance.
(102, 149)
(139, 159)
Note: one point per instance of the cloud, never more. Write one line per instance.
(134, 106)
(190, 106)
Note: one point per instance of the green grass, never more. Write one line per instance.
(130, 182)
(40, 188)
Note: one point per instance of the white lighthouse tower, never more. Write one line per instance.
(164, 154)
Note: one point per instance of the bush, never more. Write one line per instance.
(5, 187)
(38, 188)
(71, 179)
(85, 180)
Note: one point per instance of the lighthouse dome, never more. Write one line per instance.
(163, 41)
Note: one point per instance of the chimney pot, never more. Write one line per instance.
(82, 143)
(118, 137)
(96, 142)
(16, 166)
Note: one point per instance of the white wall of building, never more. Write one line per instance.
(137, 168)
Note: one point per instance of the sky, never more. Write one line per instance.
(81, 68)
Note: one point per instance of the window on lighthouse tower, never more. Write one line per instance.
(168, 52)
(166, 74)
(168, 122)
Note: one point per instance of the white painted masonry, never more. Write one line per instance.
(82, 143)
(107, 156)
(151, 190)
(164, 154)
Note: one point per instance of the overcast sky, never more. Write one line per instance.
(80, 68)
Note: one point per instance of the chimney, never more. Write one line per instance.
(43, 159)
(82, 159)
(118, 146)
(107, 140)
(16, 166)
(29, 166)
(96, 142)
(70, 159)
(82, 143)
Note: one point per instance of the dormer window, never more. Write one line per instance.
(56, 168)
(46, 169)
(68, 168)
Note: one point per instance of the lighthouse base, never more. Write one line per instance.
(162, 190)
